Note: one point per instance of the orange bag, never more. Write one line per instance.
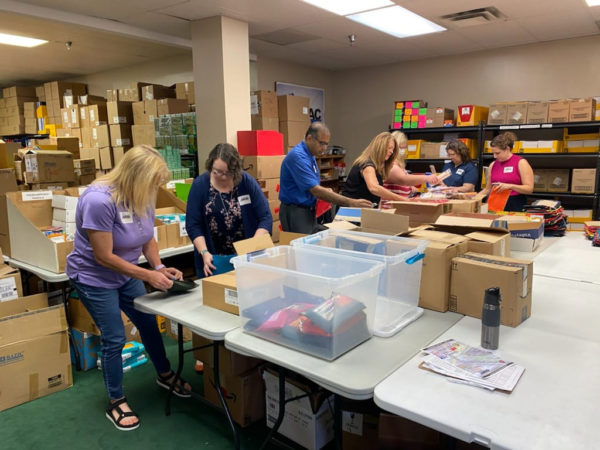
(497, 200)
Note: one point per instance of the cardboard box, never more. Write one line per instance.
(293, 132)
(540, 180)
(185, 91)
(34, 351)
(582, 110)
(10, 282)
(264, 104)
(244, 394)
(558, 111)
(294, 108)
(118, 153)
(120, 135)
(80, 318)
(166, 106)
(67, 143)
(27, 213)
(264, 123)
(172, 330)
(557, 180)
(276, 229)
(87, 348)
(516, 112)
(473, 273)
(260, 143)
(271, 185)
(436, 117)
(360, 425)
(435, 275)
(97, 115)
(92, 153)
(7, 154)
(420, 212)
(263, 166)
(471, 115)
(19, 91)
(413, 150)
(106, 158)
(44, 166)
(583, 181)
(230, 363)
(156, 91)
(119, 112)
(537, 112)
(433, 150)
(176, 232)
(285, 237)
(497, 114)
(143, 134)
(308, 424)
(101, 136)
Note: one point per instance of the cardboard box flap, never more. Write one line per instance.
(487, 236)
(8, 182)
(472, 220)
(226, 280)
(384, 220)
(253, 244)
(285, 237)
(5, 269)
(38, 212)
(166, 198)
(339, 225)
(438, 236)
(22, 305)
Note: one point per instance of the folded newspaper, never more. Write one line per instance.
(471, 365)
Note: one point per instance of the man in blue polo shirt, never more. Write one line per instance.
(300, 183)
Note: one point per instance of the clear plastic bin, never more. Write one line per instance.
(398, 292)
(315, 302)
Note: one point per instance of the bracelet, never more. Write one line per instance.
(202, 252)
(160, 266)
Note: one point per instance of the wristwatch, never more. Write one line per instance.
(202, 252)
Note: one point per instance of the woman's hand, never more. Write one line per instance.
(158, 280)
(500, 187)
(171, 273)
(208, 264)
(433, 179)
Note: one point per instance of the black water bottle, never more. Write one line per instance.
(490, 319)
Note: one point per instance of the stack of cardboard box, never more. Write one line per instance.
(63, 214)
(12, 120)
(265, 114)
(60, 94)
(294, 119)
(263, 153)
(146, 111)
(185, 91)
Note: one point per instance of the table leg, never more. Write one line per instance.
(217, 386)
(337, 421)
(277, 423)
(179, 367)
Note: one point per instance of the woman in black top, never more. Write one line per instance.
(368, 171)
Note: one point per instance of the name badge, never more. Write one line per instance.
(508, 169)
(460, 171)
(126, 217)
(244, 200)
(315, 168)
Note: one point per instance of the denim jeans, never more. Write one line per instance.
(105, 305)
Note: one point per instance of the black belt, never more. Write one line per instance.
(310, 208)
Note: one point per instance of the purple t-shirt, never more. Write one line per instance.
(97, 211)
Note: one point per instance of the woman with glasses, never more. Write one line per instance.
(464, 173)
(225, 205)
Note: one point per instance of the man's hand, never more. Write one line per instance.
(360, 203)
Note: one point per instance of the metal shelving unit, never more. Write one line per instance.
(539, 160)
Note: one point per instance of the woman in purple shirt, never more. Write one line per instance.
(115, 225)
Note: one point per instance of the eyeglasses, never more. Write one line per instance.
(221, 173)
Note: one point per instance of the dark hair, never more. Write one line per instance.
(229, 154)
(460, 149)
(315, 128)
(504, 140)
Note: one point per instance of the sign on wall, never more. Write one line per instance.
(316, 96)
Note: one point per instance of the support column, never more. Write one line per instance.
(222, 81)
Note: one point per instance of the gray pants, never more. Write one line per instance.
(299, 219)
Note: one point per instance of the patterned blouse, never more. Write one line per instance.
(224, 215)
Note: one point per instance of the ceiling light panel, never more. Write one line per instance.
(593, 2)
(20, 41)
(396, 21)
(345, 7)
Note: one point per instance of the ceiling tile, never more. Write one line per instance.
(497, 34)
(160, 23)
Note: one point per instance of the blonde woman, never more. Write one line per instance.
(365, 179)
(114, 226)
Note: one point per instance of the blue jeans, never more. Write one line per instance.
(105, 305)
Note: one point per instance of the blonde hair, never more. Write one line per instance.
(135, 180)
(402, 142)
(376, 152)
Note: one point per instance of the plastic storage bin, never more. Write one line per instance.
(398, 292)
(315, 302)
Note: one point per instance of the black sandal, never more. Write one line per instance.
(179, 387)
(122, 414)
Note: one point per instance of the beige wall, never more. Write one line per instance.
(364, 97)
(175, 69)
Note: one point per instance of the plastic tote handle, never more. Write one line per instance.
(415, 258)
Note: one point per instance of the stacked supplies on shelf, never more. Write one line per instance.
(555, 221)
(592, 232)
(132, 355)
(473, 366)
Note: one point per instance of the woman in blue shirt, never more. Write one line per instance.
(464, 173)
(225, 205)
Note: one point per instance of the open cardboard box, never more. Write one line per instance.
(420, 212)
(377, 221)
(220, 291)
(28, 211)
